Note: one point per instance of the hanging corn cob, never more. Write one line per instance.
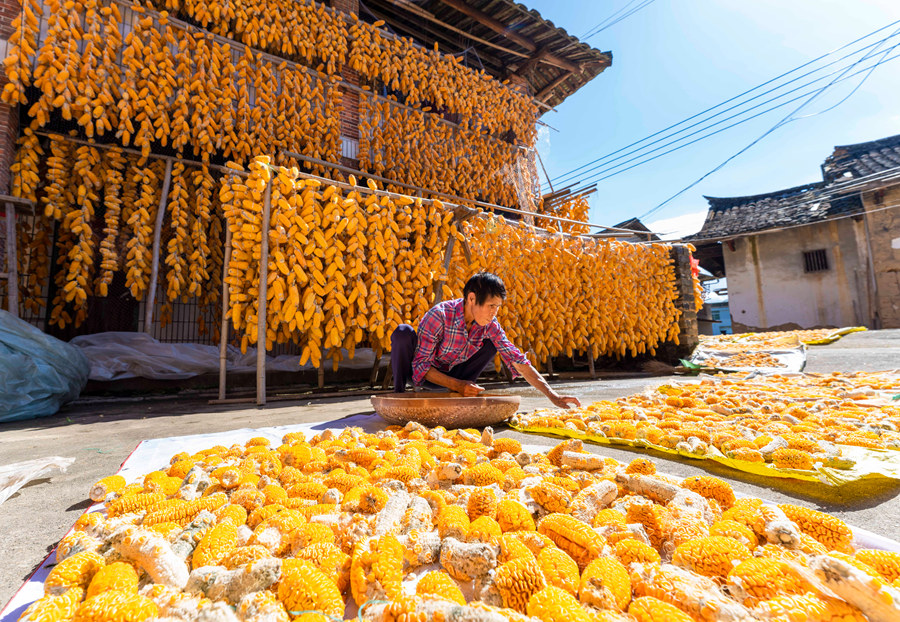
(114, 166)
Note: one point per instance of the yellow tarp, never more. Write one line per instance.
(862, 463)
(835, 336)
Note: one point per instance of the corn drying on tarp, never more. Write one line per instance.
(835, 336)
(150, 454)
(38, 373)
(774, 361)
(868, 463)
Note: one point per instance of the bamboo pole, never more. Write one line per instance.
(157, 237)
(12, 268)
(261, 313)
(223, 334)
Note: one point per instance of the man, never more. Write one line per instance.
(456, 341)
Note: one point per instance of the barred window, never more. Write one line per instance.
(815, 261)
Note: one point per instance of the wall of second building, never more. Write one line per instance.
(883, 216)
(770, 289)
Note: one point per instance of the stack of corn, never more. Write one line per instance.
(790, 422)
(419, 523)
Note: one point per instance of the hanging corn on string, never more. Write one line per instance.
(25, 169)
(209, 297)
(178, 248)
(59, 201)
(78, 221)
(199, 261)
(35, 240)
(141, 224)
(57, 63)
(22, 47)
(114, 166)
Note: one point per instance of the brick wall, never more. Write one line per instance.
(350, 102)
(884, 238)
(9, 115)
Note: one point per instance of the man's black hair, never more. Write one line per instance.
(484, 285)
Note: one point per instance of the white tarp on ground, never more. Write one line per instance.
(154, 454)
(120, 355)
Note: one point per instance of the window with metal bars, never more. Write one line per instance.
(815, 261)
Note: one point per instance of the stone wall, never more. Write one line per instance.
(883, 222)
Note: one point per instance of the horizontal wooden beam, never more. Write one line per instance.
(502, 29)
(550, 87)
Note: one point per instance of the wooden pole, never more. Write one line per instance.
(373, 378)
(223, 334)
(320, 372)
(590, 355)
(448, 257)
(12, 267)
(157, 236)
(263, 286)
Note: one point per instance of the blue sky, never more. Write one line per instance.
(675, 58)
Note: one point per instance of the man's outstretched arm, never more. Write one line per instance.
(537, 381)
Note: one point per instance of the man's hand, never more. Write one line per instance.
(565, 401)
(469, 389)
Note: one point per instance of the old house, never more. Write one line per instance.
(817, 255)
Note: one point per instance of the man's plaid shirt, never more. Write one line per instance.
(444, 342)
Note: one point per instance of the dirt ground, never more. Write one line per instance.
(101, 434)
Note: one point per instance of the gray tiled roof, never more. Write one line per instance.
(728, 217)
(795, 206)
(862, 159)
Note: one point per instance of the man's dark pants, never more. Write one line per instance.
(403, 349)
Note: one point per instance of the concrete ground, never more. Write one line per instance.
(100, 435)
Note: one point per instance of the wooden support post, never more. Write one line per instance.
(261, 314)
(12, 267)
(373, 378)
(223, 335)
(388, 376)
(320, 372)
(549, 366)
(157, 236)
(590, 355)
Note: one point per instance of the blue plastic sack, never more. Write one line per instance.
(38, 373)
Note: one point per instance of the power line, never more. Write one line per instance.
(646, 3)
(759, 86)
(592, 31)
(704, 122)
(785, 120)
(600, 175)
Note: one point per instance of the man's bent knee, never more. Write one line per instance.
(403, 335)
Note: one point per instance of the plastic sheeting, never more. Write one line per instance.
(790, 359)
(38, 373)
(120, 355)
(14, 476)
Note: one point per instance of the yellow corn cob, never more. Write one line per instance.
(630, 551)
(511, 548)
(762, 578)
(551, 497)
(711, 488)
(243, 555)
(559, 569)
(215, 544)
(713, 556)
(54, 608)
(605, 584)
(74, 571)
(832, 532)
(185, 512)
(887, 563)
(482, 502)
(482, 474)
(438, 584)
(330, 560)
(809, 607)
(119, 576)
(517, 581)
(650, 609)
(107, 485)
(789, 458)
(555, 605)
(483, 529)
(573, 536)
(513, 516)
(376, 569)
(736, 530)
(115, 606)
(303, 587)
(641, 466)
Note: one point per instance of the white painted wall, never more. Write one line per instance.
(769, 290)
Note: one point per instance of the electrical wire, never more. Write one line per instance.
(560, 177)
(704, 122)
(785, 120)
(596, 177)
(646, 3)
